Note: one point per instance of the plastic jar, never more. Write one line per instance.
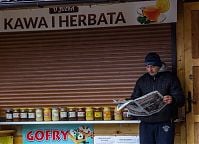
(72, 115)
(23, 114)
(81, 114)
(55, 114)
(63, 114)
(125, 114)
(39, 114)
(98, 114)
(117, 114)
(31, 114)
(89, 114)
(16, 115)
(106, 113)
(9, 115)
(47, 114)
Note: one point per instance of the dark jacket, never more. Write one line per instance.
(167, 84)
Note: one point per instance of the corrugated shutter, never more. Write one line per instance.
(77, 67)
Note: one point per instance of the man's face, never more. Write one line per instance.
(152, 70)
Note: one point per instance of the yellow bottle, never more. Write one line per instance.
(163, 5)
(117, 114)
(47, 114)
(89, 114)
(107, 113)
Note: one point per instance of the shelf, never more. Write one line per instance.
(7, 132)
(71, 122)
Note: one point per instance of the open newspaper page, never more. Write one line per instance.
(144, 106)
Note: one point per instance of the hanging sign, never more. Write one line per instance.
(57, 134)
(92, 16)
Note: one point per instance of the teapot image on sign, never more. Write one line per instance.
(153, 13)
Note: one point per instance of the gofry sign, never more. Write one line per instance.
(57, 134)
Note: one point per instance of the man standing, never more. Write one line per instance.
(159, 128)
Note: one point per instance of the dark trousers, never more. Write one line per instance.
(157, 133)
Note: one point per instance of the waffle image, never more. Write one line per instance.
(76, 136)
(86, 131)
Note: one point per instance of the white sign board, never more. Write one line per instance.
(92, 16)
(127, 140)
(104, 139)
(116, 140)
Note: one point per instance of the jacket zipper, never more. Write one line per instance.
(154, 78)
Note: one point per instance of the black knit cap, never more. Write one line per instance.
(153, 58)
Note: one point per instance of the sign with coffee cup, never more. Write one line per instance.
(154, 13)
(89, 16)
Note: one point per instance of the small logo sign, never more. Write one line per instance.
(68, 9)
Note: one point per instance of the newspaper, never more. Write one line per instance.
(146, 105)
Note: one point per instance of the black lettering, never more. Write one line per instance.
(91, 19)
(73, 20)
(102, 19)
(82, 20)
(120, 17)
(63, 21)
(53, 21)
(7, 24)
(43, 22)
(30, 22)
(111, 17)
(18, 23)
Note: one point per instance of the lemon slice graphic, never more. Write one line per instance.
(163, 5)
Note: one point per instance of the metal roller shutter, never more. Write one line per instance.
(77, 67)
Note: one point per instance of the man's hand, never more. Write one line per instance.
(167, 99)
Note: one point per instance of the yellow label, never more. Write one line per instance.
(118, 115)
(47, 115)
(107, 115)
(98, 114)
(89, 115)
